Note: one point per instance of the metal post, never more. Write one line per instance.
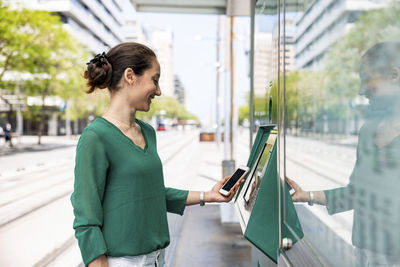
(232, 57)
(68, 119)
(227, 91)
(228, 164)
(218, 131)
(20, 125)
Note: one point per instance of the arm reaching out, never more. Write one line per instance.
(213, 195)
(304, 196)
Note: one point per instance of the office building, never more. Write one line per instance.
(161, 41)
(322, 24)
(97, 24)
(179, 92)
(262, 62)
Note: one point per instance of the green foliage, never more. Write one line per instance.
(342, 81)
(173, 109)
(43, 58)
(244, 113)
(325, 94)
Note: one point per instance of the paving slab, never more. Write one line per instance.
(205, 241)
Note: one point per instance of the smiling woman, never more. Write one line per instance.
(119, 199)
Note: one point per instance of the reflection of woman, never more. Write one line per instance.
(119, 199)
(374, 183)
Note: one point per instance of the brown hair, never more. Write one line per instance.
(105, 70)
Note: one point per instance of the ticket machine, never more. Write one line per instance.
(258, 199)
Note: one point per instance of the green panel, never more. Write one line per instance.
(262, 136)
(263, 227)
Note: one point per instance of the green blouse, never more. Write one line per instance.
(372, 193)
(120, 201)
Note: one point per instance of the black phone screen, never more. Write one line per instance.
(234, 178)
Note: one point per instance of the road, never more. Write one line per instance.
(35, 211)
(36, 215)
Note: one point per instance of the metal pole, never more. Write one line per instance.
(279, 129)
(227, 91)
(20, 122)
(251, 110)
(232, 87)
(68, 119)
(218, 131)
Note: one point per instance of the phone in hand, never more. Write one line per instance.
(236, 176)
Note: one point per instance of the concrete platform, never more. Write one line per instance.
(205, 241)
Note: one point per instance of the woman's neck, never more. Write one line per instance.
(121, 112)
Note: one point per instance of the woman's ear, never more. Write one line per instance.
(129, 76)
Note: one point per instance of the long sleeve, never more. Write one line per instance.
(90, 177)
(340, 199)
(176, 200)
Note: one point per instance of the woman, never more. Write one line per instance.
(373, 191)
(119, 199)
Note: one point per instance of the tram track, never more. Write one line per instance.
(19, 197)
(29, 192)
(57, 252)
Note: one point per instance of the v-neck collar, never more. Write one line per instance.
(126, 137)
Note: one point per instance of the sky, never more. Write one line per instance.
(194, 54)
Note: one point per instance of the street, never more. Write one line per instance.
(36, 215)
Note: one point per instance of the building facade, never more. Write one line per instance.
(263, 62)
(179, 92)
(162, 43)
(322, 24)
(97, 24)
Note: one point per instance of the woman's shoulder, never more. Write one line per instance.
(94, 131)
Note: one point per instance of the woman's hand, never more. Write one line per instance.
(215, 196)
(100, 261)
(299, 195)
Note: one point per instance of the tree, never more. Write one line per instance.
(173, 109)
(342, 81)
(36, 44)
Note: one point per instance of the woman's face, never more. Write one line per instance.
(373, 84)
(146, 87)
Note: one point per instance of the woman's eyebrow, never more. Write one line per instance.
(157, 75)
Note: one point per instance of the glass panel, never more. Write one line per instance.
(265, 67)
(342, 127)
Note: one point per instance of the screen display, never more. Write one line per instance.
(234, 178)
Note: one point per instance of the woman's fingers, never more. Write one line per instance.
(293, 184)
(222, 181)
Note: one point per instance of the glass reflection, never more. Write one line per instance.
(375, 180)
(342, 129)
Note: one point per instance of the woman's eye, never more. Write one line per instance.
(155, 82)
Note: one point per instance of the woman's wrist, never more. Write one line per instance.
(306, 196)
(207, 197)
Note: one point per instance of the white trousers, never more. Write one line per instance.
(153, 259)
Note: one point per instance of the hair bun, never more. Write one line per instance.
(98, 73)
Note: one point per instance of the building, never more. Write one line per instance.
(322, 24)
(179, 92)
(161, 41)
(262, 62)
(289, 46)
(288, 42)
(135, 32)
(97, 24)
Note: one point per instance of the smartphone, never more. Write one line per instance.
(236, 176)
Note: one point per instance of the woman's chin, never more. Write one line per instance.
(147, 107)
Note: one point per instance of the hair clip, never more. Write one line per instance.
(99, 60)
